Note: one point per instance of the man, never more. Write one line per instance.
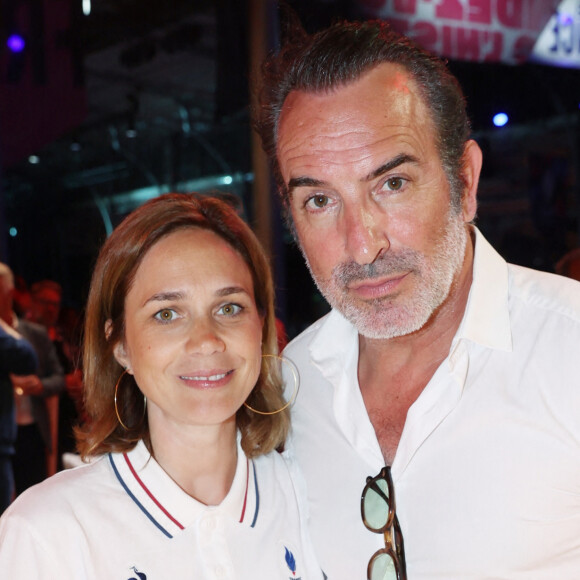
(16, 356)
(47, 378)
(44, 307)
(45, 310)
(438, 359)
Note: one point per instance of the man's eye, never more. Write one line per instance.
(318, 201)
(165, 315)
(394, 183)
(230, 309)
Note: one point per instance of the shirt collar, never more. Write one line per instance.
(486, 320)
(167, 506)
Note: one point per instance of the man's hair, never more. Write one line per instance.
(340, 55)
(114, 273)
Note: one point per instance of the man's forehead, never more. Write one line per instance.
(386, 77)
(384, 105)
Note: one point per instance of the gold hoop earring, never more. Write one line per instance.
(294, 370)
(115, 401)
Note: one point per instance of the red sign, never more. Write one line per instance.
(475, 30)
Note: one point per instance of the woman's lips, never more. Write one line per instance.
(209, 379)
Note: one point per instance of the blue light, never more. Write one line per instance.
(500, 119)
(13, 232)
(228, 180)
(15, 43)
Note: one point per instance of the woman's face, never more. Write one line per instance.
(192, 331)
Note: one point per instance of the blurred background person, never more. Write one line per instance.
(63, 327)
(569, 264)
(16, 356)
(33, 440)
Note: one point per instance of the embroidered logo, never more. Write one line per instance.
(140, 575)
(290, 561)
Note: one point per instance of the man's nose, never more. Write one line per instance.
(365, 234)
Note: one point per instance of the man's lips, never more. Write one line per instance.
(376, 287)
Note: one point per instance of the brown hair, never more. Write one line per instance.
(113, 275)
(339, 55)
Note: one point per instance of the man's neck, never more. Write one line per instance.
(393, 372)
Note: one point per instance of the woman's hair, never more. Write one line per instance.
(113, 276)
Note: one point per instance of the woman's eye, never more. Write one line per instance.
(230, 309)
(165, 315)
(318, 201)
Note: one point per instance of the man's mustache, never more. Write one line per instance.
(386, 264)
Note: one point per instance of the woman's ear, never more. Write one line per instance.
(119, 351)
(122, 357)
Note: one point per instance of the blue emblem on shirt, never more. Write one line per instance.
(290, 561)
(140, 575)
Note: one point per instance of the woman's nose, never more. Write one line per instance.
(204, 338)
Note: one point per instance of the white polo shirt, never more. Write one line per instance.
(487, 472)
(123, 518)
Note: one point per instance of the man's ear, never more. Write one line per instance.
(119, 351)
(471, 168)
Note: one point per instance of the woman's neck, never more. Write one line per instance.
(201, 460)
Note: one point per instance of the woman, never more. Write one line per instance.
(183, 394)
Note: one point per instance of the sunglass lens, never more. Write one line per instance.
(376, 507)
(383, 568)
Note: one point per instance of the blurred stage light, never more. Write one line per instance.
(15, 43)
(500, 119)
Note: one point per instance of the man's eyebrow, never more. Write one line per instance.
(296, 182)
(390, 165)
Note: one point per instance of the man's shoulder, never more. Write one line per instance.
(545, 291)
(32, 328)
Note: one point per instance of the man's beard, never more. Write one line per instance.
(402, 313)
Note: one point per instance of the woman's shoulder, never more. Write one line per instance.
(59, 493)
(283, 471)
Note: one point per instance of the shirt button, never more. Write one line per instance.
(220, 571)
(209, 523)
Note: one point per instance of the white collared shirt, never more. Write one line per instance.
(487, 472)
(123, 518)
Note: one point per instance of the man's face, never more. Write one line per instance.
(45, 307)
(371, 202)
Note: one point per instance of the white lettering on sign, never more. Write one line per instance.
(559, 43)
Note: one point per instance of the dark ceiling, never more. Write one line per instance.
(175, 73)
